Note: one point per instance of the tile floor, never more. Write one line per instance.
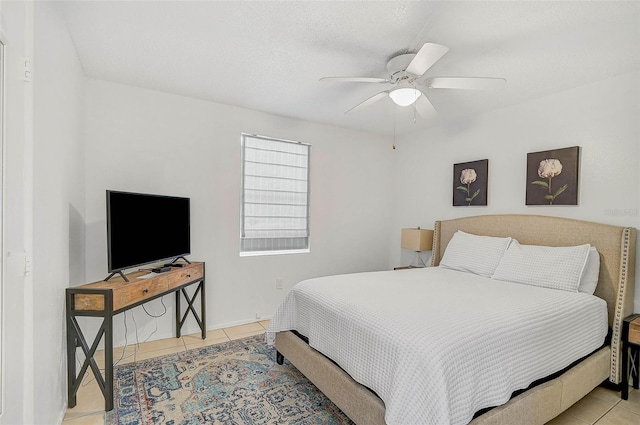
(601, 406)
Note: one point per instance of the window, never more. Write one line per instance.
(275, 196)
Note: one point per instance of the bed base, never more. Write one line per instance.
(358, 402)
(533, 407)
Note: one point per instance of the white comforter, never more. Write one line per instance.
(437, 345)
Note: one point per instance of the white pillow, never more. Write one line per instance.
(589, 278)
(474, 254)
(545, 266)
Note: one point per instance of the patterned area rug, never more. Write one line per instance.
(236, 382)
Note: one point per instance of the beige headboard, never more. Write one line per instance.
(615, 244)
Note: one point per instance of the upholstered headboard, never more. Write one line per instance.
(615, 244)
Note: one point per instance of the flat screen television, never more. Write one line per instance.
(144, 229)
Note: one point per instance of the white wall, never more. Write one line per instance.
(144, 141)
(58, 201)
(13, 16)
(601, 118)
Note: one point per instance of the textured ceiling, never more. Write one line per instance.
(268, 56)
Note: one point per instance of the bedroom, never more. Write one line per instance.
(85, 133)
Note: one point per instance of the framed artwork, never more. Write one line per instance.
(552, 177)
(470, 183)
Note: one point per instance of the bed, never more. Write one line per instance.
(558, 389)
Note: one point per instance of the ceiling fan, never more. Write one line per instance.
(406, 73)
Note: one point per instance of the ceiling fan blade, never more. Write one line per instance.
(464, 83)
(373, 99)
(425, 107)
(355, 79)
(428, 54)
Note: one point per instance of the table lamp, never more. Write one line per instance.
(417, 240)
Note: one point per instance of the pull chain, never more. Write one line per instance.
(394, 127)
(415, 93)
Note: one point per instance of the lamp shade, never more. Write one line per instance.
(417, 239)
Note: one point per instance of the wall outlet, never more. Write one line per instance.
(278, 283)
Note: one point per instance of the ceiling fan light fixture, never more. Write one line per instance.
(404, 96)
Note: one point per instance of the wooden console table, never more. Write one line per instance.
(108, 298)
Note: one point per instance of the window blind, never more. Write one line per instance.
(275, 195)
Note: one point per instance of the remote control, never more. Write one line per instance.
(161, 269)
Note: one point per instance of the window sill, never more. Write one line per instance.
(261, 253)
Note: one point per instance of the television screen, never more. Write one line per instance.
(143, 229)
